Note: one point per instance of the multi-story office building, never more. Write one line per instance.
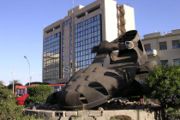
(67, 43)
(163, 49)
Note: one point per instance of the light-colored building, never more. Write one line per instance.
(67, 43)
(163, 49)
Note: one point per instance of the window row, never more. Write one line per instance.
(163, 45)
(56, 35)
(54, 49)
(85, 49)
(82, 47)
(85, 57)
(51, 68)
(51, 51)
(50, 60)
(50, 77)
(50, 65)
(89, 21)
(84, 52)
(88, 34)
(92, 26)
(175, 62)
(85, 62)
(51, 43)
(88, 39)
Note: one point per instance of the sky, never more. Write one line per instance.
(22, 23)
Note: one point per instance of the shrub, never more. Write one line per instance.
(8, 108)
(38, 94)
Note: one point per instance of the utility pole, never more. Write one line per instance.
(13, 85)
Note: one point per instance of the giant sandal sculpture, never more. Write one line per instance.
(119, 69)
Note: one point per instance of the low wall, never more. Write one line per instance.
(93, 114)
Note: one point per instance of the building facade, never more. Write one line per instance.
(163, 49)
(67, 43)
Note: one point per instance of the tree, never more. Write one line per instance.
(165, 86)
(9, 110)
(38, 94)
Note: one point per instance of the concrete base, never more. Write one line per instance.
(93, 114)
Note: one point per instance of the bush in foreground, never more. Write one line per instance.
(38, 94)
(8, 108)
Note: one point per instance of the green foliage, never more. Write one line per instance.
(173, 114)
(38, 94)
(8, 108)
(165, 85)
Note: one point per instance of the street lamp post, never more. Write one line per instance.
(29, 69)
(13, 85)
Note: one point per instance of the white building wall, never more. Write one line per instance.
(129, 18)
(109, 17)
